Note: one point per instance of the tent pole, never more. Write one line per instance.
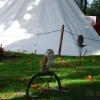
(80, 62)
(61, 39)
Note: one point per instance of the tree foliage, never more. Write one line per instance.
(94, 8)
(96, 4)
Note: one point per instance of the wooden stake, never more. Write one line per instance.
(61, 39)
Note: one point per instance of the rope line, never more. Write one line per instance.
(70, 33)
(34, 34)
(78, 35)
(53, 32)
(47, 32)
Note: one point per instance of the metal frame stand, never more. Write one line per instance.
(48, 73)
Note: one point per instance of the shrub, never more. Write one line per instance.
(1, 53)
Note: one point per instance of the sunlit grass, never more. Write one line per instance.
(11, 95)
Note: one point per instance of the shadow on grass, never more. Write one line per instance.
(90, 91)
(51, 95)
(78, 91)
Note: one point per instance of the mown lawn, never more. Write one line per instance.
(78, 82)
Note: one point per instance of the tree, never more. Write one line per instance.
(96, 4)
(85, 6)
(94, 9)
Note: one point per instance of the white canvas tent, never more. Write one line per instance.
(34, 25)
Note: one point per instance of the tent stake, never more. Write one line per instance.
(61, 39)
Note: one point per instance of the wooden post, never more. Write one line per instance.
(61, 39)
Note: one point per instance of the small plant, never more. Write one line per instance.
(1, 52)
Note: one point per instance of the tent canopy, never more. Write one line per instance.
(34, 25)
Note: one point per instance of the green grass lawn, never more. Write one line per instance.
(15, 74)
